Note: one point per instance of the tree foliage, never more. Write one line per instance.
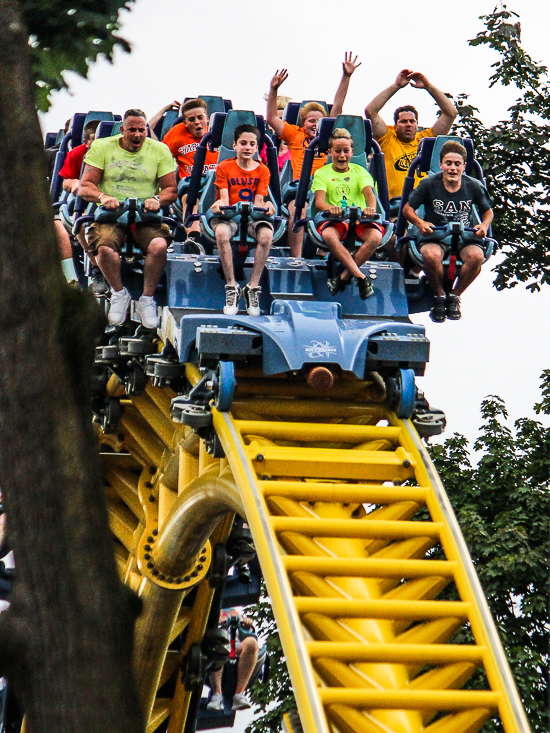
(68, 37)
(515, 155)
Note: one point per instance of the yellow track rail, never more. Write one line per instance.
(368, 574)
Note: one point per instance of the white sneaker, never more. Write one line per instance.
(120, 302)
(232, 295)
(216, 702)
(147, 311)
(240, 702)
(252, 298)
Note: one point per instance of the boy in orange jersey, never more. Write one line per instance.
(299, 137)
(247, 180)
(183, 140)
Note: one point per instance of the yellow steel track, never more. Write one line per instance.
(367, 571)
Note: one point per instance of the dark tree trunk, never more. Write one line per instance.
(66, 642)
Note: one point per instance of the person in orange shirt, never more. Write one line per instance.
(298, 137)
(183, 140)
(247, 180)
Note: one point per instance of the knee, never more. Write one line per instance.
(249, 644)
(105, 250)
(474, 256)
(157, 247)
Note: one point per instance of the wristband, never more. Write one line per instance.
(100, 195)
(157, 197)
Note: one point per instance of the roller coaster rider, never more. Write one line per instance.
(130, 165)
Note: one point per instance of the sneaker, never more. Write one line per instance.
(147, 311)
(240, 702)
(216, 702)
(232, 295)
(99, 285)
(335, 285)
(252, 299)
(120, 302)
(365, 287)
(437, 313)
(453, 307)
(192, 247)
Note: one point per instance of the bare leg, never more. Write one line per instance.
(155, 262)
(294, 239)
(109, 264)
(433, 267)
(223, 236)
(371, 239)
(339, 252)
(248, 656)
(216, 679)
(195, 226)
(63, 240)
(472, 259)
(265, 237)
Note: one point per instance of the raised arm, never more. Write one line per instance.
(379, 127)
(448, 111)
(272, 119)
(155, 118)
(348, 67)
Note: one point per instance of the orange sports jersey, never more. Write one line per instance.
(183, 145)
(297, 143)
(242, 185)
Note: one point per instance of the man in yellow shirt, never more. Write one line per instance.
(399, 142)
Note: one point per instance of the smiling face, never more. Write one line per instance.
(246, 146)
(406, 127)
(341, 152)
(196, 122)
(134, 132)
(309, 125)
(453, 166)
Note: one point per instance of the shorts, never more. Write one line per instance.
(105, 234)
(234, 226)
(445, 242)
(342, 228)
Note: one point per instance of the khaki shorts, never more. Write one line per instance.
(234, 226)
(112, 236)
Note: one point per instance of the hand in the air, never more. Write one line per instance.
(349, 65)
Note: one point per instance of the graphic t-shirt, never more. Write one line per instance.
(398, 156)
(442, 206)
(298, 142)
(242, 185)
(343, 188)
(130, 174)
(183, 146)
(72, 164)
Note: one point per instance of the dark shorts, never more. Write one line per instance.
(445, 243)
(112, 236)
(342, 228)
(234, 226)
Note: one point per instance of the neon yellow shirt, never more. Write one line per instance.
(343, 189)
(130, 174)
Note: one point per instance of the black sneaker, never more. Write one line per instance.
(437, 313)
(192, 247)
(453, 307)
(365, 287)
(335, 285)
(99, 285)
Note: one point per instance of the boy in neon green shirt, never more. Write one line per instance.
(336, 187)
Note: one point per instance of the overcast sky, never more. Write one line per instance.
(232, 49)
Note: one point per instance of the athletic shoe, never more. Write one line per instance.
(365, 287)
(147, 311)
(120, 302)
(232, 295)
(252, 299)
(99, 285)
(216, 702)
(240, 702)
(453, 307)
(335, 285)
(192, 247)
(437, 313)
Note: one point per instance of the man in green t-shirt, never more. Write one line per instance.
(130, 165)
(337, 186)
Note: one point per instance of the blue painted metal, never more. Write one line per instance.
(407, 394)
(226, 385)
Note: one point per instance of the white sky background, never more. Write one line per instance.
(232, 49)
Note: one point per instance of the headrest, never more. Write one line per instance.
(325, 127)
(234, 118)
(217, 122)
(430, 149)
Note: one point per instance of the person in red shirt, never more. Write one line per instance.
(72, 166)
(183, 140)
(243, 179)
(298, 137)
